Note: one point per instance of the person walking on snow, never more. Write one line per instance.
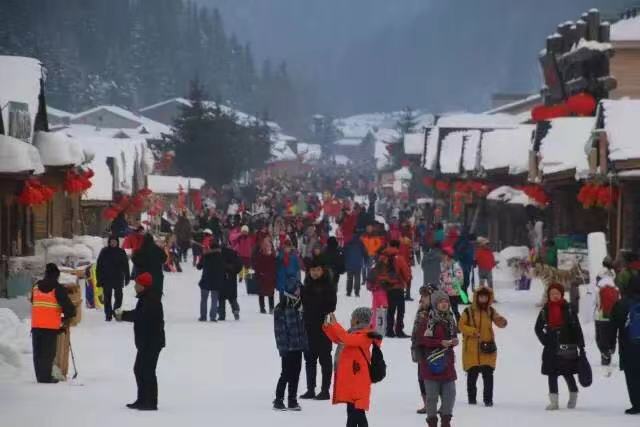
(213, 276)
(352, 384)
(558, 330)
(478, 341)
(318, 300)
(354, 260)
(437, 336)
(148, 329)
(113, 274)
(184, 234)
(607, 295)
(625, 318)
(486, 262)
(424, 306)
(264, 264)
(51, 311)
(451, 279)
(229, 288)
(396, 292)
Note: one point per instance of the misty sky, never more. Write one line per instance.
(380, 55)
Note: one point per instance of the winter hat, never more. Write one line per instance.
(361, 316)
(112, 238)
(244, 229)
(144, 280)
(437, 297)
(208, 231)
(556, 286)
(51, 270)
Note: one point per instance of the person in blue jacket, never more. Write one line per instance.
(354, 257)
(465, 254)
(288, 266)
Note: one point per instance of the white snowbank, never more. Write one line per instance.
(507, 148)
(342, 160)
(403, 174)
(14, 341)
(280, 151)
(17, 156)
(19, 82)
(171, 184)
(309, 152)
(62, 251)
(622, 123)
(510, 195)
(34, 263)
(94, 243)
(626, 30)
(564, 146)
(382, 155)
(511, 252)
(56, 149)
(414, 143)
(348, 142)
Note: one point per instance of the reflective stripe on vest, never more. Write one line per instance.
(46, 313)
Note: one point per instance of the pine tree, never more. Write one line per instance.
(407, 122)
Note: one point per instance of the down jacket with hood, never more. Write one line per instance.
(476, 326)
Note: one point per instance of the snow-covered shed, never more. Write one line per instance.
(506, 151)
(564, 148)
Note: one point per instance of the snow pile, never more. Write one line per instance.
(70, 252)
(57, 149)
(19, 82)
(564, 147)
(626, 30)
(622, 123)
(433, 142)
(511, 196)
(27, 263)
(94, 243)
(171, 184)
(348, 142)
(471, 153)
(309, 152)
(507, 148)
(414, 143)
(477, 121)
(342, 160)
(403, 174)
(381, 155)
(17, 156)
(14, 341)
(451, 152)
(280, 151)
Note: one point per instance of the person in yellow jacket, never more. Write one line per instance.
(51, 311)
(480, 352)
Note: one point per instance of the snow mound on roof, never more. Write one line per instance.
(414, 143)
(510, 195)
(19, 82)
(471, 154)
(18, 156)
(451, 152)
(477, 121)
(56, 149)
(507, 148)
(626, 30)
(433, 142)
(145, 127)
(622, 123)
(348, 142)
(564, 146)
(171, 184)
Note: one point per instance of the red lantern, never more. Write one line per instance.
(547, 112)
(110, 213)
(582, 104)
(607, 196)
(197, 200)
(442, 186)
(588, 195)
(428, 181)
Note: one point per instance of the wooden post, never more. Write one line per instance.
(593, 23)
(619, 219)
(603, 146)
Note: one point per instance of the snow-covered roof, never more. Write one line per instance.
(477, 121)
(18, 156)
(171, 184)
(451, 152)
(56, 112)
(309, 152)
(564, 146)
(622, 123)
(471, 153)
(403, 174)
(146, 127)
(507, 148)
(342, 160)
(511, 196)
(348, 142)
(280, 151)
(414, 143)
(57, 149)
(360, 125)
(626, 30)
(433, 142)
(19, 82)
(381, 155)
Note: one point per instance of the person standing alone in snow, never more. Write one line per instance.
(318, 300)
(148, 329)
(50, 302)
(352, 383)
(607, 295)
(113, 274)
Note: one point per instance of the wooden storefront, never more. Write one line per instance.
(61, 216)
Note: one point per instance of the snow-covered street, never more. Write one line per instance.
(225, 374)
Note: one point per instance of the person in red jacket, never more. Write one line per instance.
(485, 261)
(396, 291)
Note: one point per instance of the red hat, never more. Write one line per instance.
(144, 279)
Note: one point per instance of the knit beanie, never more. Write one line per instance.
(144, 280)
(362, 316)
(437, 297)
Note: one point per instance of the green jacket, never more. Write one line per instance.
(623, 278)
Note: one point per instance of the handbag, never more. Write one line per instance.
(488, 347)
(568, 351)
(437, 361)
(585, 374)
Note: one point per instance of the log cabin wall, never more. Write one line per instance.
(625, 66)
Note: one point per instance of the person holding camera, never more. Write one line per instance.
(478, 339)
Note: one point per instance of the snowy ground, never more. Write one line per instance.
(224, 374)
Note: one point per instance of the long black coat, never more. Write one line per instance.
(113, 267)
(149, 259)
(213, 273)
(318, 300)
(148, 322)
(629, 351)
(232, 266)
(569, 333)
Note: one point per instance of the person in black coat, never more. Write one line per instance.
(558, 330)
(334, 259)
(318, 300)
(148, 329)
(229, 288)
(149, 259)
(621, 319)
(113, 274)
(211, 281)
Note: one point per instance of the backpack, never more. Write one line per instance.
(633, 323)
(377, 366)
(609, 295)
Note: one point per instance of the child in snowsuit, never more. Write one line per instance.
(424, 306)
(486, 262)
(352, 384)
(606, 297)
(436, 337)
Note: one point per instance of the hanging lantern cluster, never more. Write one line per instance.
(581, 104)
(442, 186)
(597, 195)
(428, 181)
(35, 193)
(130, 205)
(476, 188)
(156, 206)
(78, 180)
(537, 194)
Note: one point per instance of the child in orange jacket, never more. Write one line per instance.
(352, 383)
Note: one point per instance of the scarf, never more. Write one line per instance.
(446, 318)
(555, 315)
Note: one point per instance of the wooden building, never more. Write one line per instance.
(625, 65)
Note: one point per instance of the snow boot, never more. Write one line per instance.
(323, 395)
(278, 405)
(236, 315)
(133, 405)
(432, 422)
(263, 311)
(445, 420)
(148, 407)
(310, 394)
(401, 334)
(391, 334)
(553, 402)
(293, 406)
(573, 400)
(423, 410)
(632, 411)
